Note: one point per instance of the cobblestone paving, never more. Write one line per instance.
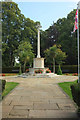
(38, 98)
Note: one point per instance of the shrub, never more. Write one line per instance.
(59, 72)
(10, 69)
(2, 85)
(48, 71)
(75, 89)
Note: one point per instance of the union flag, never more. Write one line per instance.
(76, 21)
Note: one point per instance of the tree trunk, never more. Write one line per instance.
(53, 65)
(24, 66)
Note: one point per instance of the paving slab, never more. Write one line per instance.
(5, 114)
(6, 102)
(51, 114)
(19, 112)
(66, 106)
(45, 106)
(21, 107)
(38, 98)
(6, 110)
(59, 100)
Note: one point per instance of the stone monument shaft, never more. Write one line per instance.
(38, 44)
(38, 62)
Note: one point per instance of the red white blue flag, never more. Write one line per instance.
(76, 21)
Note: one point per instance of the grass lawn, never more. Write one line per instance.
(66, 87)
(8, 87)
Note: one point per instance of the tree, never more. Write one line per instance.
(15, 28)
(50, 37)
(25, 54)
(55, 54)
(50, 55)
(12, 20)
(29, 32)
(61, 33)
(66, 39)
(60, 56)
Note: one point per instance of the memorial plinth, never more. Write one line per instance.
(38, 63)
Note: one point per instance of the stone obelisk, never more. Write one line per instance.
(38, 43)
(38, 62)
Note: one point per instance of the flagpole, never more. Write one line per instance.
(78, 43)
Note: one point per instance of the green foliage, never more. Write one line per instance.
(11, 31)
(59, 72)
(50, 54)
(9, 86)
(54, 54)
(10, 69)
(25, 54)
(69, 68)
(15, 28)
(50, 37)
(61, 33)
(75, 88)
(60, 56)
(3, 85)
(66, 39)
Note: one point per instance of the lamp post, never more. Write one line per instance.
(78, 7)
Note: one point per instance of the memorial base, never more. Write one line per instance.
(32, 70)
(38, 63)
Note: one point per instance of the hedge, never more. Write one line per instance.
(10, 69)
(2, 85)
(75, 89)
(65, 68)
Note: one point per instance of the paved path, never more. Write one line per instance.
(38, 98)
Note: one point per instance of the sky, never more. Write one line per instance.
(46, 12)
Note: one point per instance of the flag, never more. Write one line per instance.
(76, 21)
